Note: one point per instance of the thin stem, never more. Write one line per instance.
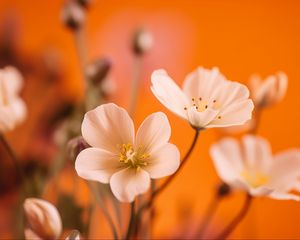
(209, 213)
(104, 209)
(258, 114)
(13, 157)
(239, 217)
(160, 189)
(131, 221)
(136, 75)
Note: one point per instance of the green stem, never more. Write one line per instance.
(131, 221)
(104, 210)
(239, 217)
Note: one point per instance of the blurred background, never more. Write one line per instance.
(240, 37)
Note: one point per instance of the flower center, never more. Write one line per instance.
(255, 179)
(132, 158)
(201, 105)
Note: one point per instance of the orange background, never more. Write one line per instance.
(240, 37)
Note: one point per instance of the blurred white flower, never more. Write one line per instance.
(12, 107)
(142, 42)
(207, 100)
(121, 159)
(43, 220)
(250, 166)
(267, 92)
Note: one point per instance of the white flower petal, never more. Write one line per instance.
(284, 196)
(153, 132)
(107, 126)
(201, 119)
(168, 93)
(164, 161)
(128, 183)
(236, 113)
(97, 164)
(227, 159)
(260, 191)
(285, 171)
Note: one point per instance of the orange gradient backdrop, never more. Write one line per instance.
(240, 37)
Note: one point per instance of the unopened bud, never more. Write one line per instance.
(43, 220)
(270, 91)
(98, 70)
(75, 146)
(73, 15)
(223, 190)
(142, 42)
(74, 235)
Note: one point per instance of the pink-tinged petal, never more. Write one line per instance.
(18, 109)
(7, 121)
(168, 93)
(285, 171)
(284, 196)
(128, 183)
(260, 191)
(107, 127)
(153, 132)
(227, 159)
(201, 119)
(164, 161)
(232, 92)
(235, 114)
(97, 164)
(257, 153)
(203, 83)
(12, 80)
(30, 235)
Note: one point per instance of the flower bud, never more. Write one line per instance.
(74, 235)
(75, 146)
(142, 42)
(98, 70)
(270, 91)
(84, 3)
(43, 219)
(223, 190)
(72, 15)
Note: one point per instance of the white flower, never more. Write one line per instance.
(207, 100)
(12, 107)
(250, 166)
(267, 92)
(43, 220)
(121, 159)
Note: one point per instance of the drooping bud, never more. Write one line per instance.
(142, 42)
(98, 70)
(74, 235)
(84, 3)
(43, 220)
(223, 190)
(270, 91)
(73, 15)
(75, 146)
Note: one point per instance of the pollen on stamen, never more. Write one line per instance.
(219, 117)
(200, 98)
(214, 101)
(185, 108)
(193, 99)
(206, 106)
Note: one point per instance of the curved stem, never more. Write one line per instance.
(137, 67)
(13, 157)
(234, 223)
(131, 221)
(209, 213)
(104, 209)
(169, 180)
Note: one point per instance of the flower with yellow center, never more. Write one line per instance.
(207, 98)
(125, 161)
(250, 166)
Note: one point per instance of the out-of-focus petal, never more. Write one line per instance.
(227, 159)
(168, 93)
(284, 196)
(128, 183)
(154, 132)
(164, 161)
(97, 164)
(107, 126)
